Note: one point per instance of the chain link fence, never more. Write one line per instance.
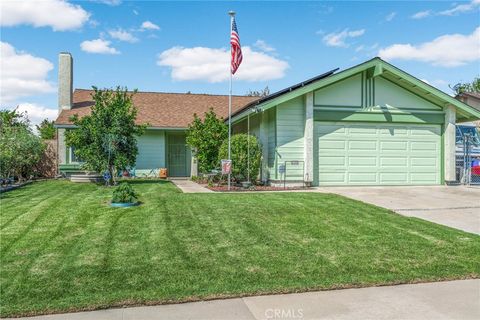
(467, 155)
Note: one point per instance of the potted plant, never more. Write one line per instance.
(124, 196)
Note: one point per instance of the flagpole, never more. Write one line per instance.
(248, 146)
(232, 14)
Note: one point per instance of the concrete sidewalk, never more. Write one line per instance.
(188, 186)
(436, 301)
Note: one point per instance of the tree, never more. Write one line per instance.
(204, 137)
(241, 144)
(261, 93)
(473, 86)
(20, 149)
(46, 129)
(106, 139)
(14, 118)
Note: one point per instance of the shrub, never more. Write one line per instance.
(239, 149)
(124, 193)
(203, 137)
(20, 149)
(46, 129)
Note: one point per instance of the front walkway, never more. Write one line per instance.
(454, 206)
(440, 300)
(188, 186)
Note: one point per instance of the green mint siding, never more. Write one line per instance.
(377, 154)
(343, 93)
(242, 126)
(391, 96)
(272, 143)
(378, 116)
(151, 151)
(290, 126)
(239, 127)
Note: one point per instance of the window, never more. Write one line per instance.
(74, 158)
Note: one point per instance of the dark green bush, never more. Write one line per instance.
(239, 148)
(124, 193)
(203, 138)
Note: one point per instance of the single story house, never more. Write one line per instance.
(372, 124)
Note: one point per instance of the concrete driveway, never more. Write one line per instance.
(453, 206)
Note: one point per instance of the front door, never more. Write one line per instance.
(178, 160)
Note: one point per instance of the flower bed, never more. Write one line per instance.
(224, 188)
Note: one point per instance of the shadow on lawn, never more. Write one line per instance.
(144, 181)
(135, 181)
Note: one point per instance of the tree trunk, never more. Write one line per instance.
(110, 180)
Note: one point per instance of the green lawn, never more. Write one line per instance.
(63, 248)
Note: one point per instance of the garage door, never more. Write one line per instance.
(377, 154)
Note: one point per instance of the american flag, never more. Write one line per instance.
(235, 49)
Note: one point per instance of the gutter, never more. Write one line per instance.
(72, 126)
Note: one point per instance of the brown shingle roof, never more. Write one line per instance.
(168, 110)
(471, 94)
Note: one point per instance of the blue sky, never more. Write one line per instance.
(182, 46)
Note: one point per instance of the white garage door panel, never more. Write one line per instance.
(370, 154)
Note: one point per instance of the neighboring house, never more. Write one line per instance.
(372, 124)
(472, 128)
(472, 99)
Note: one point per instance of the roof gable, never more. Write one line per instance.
(374, 67)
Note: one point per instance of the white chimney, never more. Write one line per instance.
(65, 81)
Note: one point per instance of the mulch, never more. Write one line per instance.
(224, 188)
(14, 186)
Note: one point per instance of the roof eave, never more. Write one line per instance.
(72, 126)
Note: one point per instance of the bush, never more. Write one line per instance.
(20, 149)
(124, 193)
(203, 137)
(239, 149)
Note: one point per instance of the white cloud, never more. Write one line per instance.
(339, 39)
(123, 35)
(390, 16)
(148, 25)
(324, 9)
(262, 45)
(109, 2)
(456, 10)
(98, 46)
(57, 14)
(213, 65)
(360, 48)
(421, 14)
(36, 113)
(368, 50)
(22, 74)
(449, 50)
(461, 8)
